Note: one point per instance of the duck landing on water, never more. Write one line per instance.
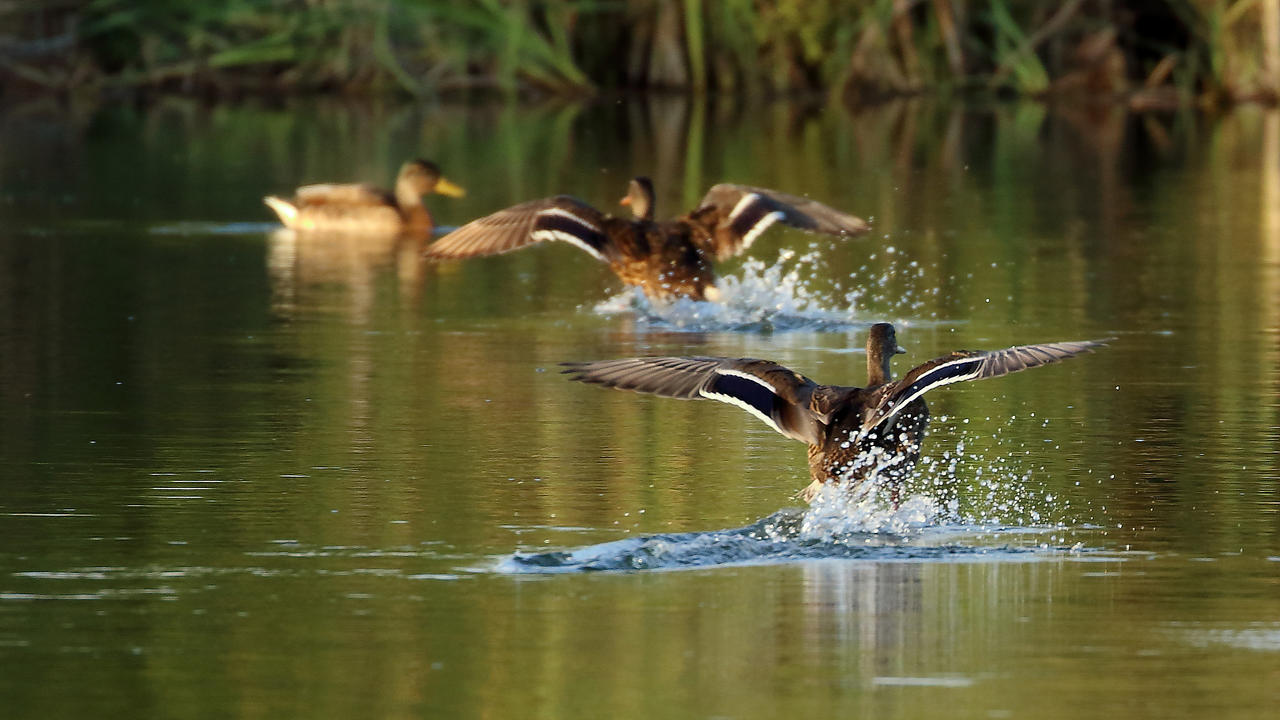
(852, 432)
(668, 259)
(356, 208)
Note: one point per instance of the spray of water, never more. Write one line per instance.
(958, 486)
(786, 295)
(955, 504)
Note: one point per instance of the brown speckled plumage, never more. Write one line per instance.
(356, 208)
(667, 259)
(852, 432)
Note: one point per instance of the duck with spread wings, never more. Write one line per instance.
(852, 432)
(667, 259)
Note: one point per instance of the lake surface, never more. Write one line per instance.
(250, 474)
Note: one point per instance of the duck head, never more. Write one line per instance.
(640, 198)
(424, 177)
(882, 345)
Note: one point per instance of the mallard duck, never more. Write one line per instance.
(668, 259)
(851, 432)
(364, 208)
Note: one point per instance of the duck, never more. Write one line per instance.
(668, 259)
(359, 208)
(854, 434)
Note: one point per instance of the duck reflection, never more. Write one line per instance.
(868, 605)
(306, 269)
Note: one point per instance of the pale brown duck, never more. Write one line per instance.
(667, 259)
(357, 208)
(852, 432)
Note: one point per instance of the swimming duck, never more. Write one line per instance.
(364, 208)
(668, 259)
(852, 432)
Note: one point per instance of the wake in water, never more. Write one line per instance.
(783, 296)
(834, 527)
(954, 506)
(197, 227)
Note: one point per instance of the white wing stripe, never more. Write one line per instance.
(764, 224)
(924, 385)
(938, 383)
(561, 212)
(540, 235)
(742, 205)
(747, 376)
(731, 400)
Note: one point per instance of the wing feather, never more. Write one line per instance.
(772, 393)
(555, 218)
(343, 194)
(966, 365)
(798, 212)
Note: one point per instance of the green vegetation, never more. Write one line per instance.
(1146, 52)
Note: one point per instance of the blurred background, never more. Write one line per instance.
(1145, 52)
(251, 473)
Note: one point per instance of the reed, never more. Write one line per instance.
(1217, 49)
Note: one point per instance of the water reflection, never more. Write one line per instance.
(306, 268)
(875, 607)
(388, 418)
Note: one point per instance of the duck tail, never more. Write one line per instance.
(287, 211)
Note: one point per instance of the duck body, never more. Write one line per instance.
(359, 208)
(667, 259)
(329, 208)
(841, 455)
(854, 434)
(664, 258)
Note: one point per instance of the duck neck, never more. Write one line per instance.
(644, 209)
(640, 194)
(409, 202)
(878, 371)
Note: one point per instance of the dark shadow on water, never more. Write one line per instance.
(779, 538)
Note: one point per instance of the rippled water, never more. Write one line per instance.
(249, 473)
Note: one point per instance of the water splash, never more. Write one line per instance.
(833, 528)
(784, 536)
(793, 293)
(982, 479)
(956, 505)
(837, 512)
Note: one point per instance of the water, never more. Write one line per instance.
(244, 473)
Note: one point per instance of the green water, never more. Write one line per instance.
(253, 475)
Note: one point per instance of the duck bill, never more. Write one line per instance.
(445, 187)
(899, 350)
(625, 201)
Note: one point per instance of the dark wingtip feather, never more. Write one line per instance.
(576, 370)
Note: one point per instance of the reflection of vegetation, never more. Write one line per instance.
(1026, 222)
(373, 430)
(1150, 52)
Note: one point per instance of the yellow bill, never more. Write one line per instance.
(445, 187)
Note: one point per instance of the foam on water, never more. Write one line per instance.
(784, 296)
(859, 531)
(956, 505)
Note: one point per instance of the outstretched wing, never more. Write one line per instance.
(343, 194)
(772, 393)
(556, 218)
(965, 365)
(744, 212)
